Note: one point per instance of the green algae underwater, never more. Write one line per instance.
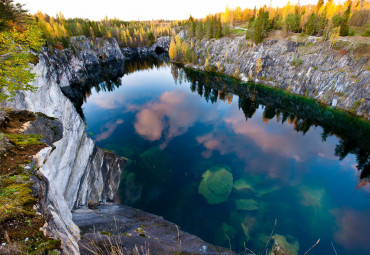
(224, 159)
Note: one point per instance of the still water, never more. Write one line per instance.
(224, 160)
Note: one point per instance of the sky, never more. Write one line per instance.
(143, 9)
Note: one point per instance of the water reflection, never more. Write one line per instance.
(225, 164)
(301, 112)
(353, 232)
(171, 116)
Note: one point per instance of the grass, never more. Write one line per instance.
(109, 244)
(357, 30)
(237, 32)
(24, 140)
(19, 222)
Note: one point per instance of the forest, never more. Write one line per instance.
(327, 20)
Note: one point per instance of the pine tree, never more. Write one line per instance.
(218, 29)
(208, 28)
(257, 36)
(199, 30)
(226, 29)
(11, 12)
(311, 25)
(344, 27)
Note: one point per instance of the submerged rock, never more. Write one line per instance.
(216, 184)
(283, 247)
(266, 190)
(241, 185)
(246, 205)
(225, 234)
(311, 196)
(229, 230)
(246, 232)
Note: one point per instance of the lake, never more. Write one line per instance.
(225, 160)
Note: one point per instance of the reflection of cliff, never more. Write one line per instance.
(303, 113)
(147, 63)
(110, 78)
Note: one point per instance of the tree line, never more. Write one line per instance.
(210, 27)
(58, 29)
(327, 19)
(323, 19)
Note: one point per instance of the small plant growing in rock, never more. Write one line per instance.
(2, 142)
(237, 73)
(258, 67)
(296, 62)
(355, 106)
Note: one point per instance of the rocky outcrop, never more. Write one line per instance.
(162, 45)
(130, 228)
(339, 78)
(76, 172)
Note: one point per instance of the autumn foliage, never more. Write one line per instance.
(128, 34)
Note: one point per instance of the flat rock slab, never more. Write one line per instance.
(127, 228)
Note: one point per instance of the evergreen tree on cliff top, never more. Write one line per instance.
(344, 27)
(11, 14)
(260, 26)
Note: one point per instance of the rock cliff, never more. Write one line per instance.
(160, 46)
(76, 171)
(337, 75)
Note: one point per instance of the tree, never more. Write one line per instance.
(173, 50)
(15, 54)
(344, 27)
(218, 33)
(311, 24)
(290, 23)
(226, 29)
(199, 30)
(191, 26)
(260, 27)
(319, 4)
(258, 67)
(209, 27)
(10, 12)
